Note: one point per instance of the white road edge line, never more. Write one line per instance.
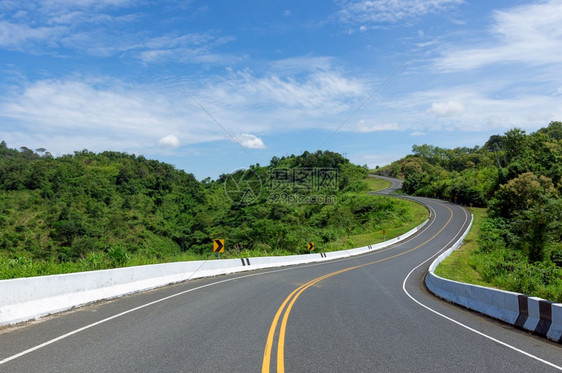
(105, 320)
(76, 331)
(463, 325)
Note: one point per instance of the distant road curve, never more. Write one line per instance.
(396, 184)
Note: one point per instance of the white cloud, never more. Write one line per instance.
(446, 109)
(250, 141)
(94, 27)
(362, 126)
(300, 64)
(316, 93)
(388, 11)
(504, 76)
(169, 141)
(482, 110)
(149, 118)
(528, 34)
(377, 159)
(187, 48)
(100, 113)
(18, 36)
(171, 41)
(43, 27)
(247, 103)
(68, 18)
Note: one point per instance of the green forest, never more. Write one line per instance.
(88, 211)
(517, 178)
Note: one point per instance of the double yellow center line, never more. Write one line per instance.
(281, 341)
(287, 305)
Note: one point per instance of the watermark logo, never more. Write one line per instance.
(302, 199)
(303, 186)
(307, 179)
(243, 186)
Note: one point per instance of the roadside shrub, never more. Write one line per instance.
(509, 269)
(84, 245)
(492, 235)
(118, 256)
(95, 260)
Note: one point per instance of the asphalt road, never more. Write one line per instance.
(369, 313)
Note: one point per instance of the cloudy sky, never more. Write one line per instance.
(212, 87)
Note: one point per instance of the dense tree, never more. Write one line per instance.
(106, 207)
(553, 130)
(522, 193)
(474, 174)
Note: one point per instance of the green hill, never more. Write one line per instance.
(91, 211)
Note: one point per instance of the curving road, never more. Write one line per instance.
(396, 184)
(369, 313)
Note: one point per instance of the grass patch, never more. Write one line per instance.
(417, 214)
(505, 269)
(375, 184)
(459, 266)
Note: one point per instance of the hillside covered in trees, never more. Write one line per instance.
(91, 211)
(517, 176)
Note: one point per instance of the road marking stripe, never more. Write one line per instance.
(297, 292)
(271, 335)
(86, 327)
(282, 330)
(270, 338)
(103, 321)
(466, 326)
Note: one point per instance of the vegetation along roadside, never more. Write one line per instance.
(87, 211)
(515, 181)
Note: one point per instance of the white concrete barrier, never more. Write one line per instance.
(29, 298)
(555, 330)
(533, 314)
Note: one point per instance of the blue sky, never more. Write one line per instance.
(214, 86)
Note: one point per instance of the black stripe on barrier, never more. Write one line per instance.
(523, 311)
(545, 311)
(323, 255)
(248, 261)
(243, 262)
